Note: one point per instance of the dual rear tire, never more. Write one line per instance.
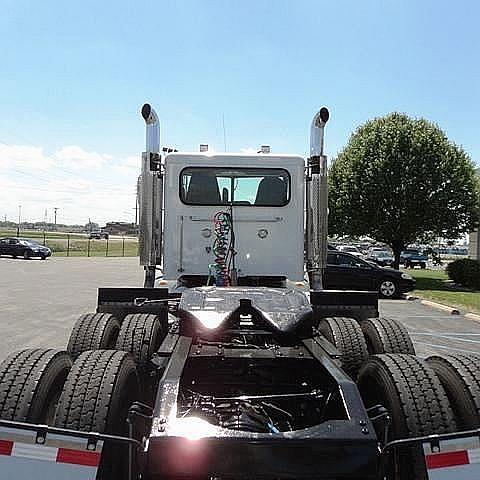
(408, 388)
(440, 395)
(346, 336)
(95, 392)
(386, 335)
(460, 376)
(356, 341)
(31, 381)
(93, 331)
(140, 334)
(42, 386)
(100, 388)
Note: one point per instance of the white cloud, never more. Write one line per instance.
(133, 161)
(80, 183)
(129, 166)
(23, 156)
(76, 157)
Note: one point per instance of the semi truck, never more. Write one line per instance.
(233, 361)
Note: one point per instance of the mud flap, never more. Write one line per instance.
(30, 454)
(455, 459)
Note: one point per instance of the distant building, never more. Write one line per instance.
(120, 228)
(474, 245)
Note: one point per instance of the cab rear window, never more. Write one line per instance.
(256, 187)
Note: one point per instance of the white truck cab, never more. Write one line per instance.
(230, 219)
(264, 194)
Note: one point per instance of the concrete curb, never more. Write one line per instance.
(445, 308)
(440, 306)
(430, 303)
(473, 316)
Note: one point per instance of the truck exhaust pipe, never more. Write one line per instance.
(317, 202)
(150, 195)
(152, 140)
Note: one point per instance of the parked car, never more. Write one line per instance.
(381, 257)
(379, 248)
(98, 235)
(22, 247)
(347, 272)
(351, 249)
(413, 257)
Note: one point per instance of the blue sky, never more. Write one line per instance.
(75, 74)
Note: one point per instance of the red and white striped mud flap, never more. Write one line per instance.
(457, 459)
(27, 454)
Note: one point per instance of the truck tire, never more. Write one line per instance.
(141, 334)
(93, 331)
(30, 384)
(347, 337)
(460, 376)
(415, 399)
(99, 390)
(385, 335)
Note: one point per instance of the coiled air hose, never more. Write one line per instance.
(221, 248)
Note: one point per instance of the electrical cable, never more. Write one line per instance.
(221, 248)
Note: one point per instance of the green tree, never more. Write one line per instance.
(400, 180)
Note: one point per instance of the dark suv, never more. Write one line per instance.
(98, 235)
(413, 257)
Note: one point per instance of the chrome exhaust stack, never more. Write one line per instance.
(152, 140)
(150, 196)
(317, 202)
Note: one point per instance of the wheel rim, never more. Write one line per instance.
(387, 288)
(26, 255)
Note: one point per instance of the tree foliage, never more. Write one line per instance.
(400, 180)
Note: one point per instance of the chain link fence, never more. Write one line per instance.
(76, 245)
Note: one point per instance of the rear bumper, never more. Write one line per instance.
(41, 254)
(415, 261)
(266, 459)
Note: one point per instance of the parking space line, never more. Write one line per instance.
(451, 334)
(444, 347)
(444, 333)
(457, 339)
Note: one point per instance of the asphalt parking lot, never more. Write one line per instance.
(40, 301)
(433, 330)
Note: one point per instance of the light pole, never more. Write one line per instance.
(55, 210)
(19, 220)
